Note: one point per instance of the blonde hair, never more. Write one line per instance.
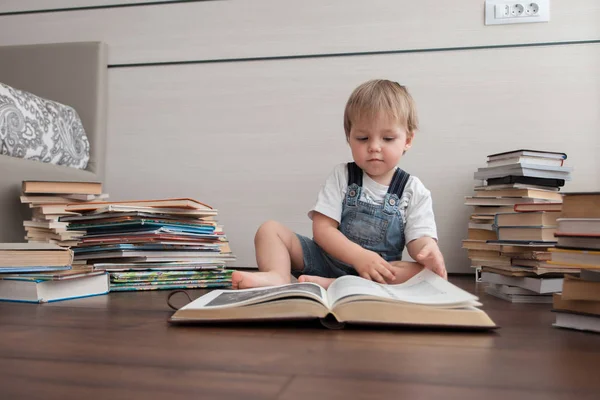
(378, 95)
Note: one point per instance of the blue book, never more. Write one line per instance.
(129, 225)
(53, 287)
(139, 247)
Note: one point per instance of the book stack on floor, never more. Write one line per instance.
(41, 272)
(522, 289)
(578, 248)
(526, 238)
(578, 306)
(513, 222)
(48, 201)
(152, 244)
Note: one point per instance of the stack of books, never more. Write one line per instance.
(152, 244)
(512, 226)
(48, 201)
(522, 289)
(578, 249)
(41, 272)
(578, 306)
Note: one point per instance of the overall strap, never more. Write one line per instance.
(399, 182)
(355, 174)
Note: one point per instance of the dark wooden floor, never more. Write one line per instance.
(120, 347)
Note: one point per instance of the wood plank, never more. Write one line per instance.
(336, 357)
(38, 5)
(61, 350)
(26, 378)
(257, 140)
(268, 28)
(361, 388)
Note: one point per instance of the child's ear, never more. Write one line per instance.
(409, 139)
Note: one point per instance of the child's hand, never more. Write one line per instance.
(431, 257)
(372, 266)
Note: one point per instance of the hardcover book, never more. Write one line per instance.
(426, 300)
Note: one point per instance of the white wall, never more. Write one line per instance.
(257, 138)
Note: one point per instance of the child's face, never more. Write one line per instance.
(377, 146)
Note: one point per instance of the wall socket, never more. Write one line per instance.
(516, 12)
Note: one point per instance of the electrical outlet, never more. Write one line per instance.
(532, 9)
(516, 12)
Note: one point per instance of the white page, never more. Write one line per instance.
(425, 288)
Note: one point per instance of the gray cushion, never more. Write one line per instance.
(38, 129)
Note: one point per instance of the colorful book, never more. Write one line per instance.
(159, 266)
(165, 276)
(169, 286)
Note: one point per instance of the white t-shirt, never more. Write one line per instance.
(415, 204)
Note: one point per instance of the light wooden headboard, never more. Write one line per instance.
(74, 74)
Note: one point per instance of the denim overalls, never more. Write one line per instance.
(379, 228)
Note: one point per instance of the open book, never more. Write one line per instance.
(424, 300)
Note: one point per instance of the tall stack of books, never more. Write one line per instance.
(578, 248)
(48, 201)
(41, 272)
(152, 244)
(513, 222)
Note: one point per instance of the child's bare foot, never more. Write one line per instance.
(324, 282)
(245, 280)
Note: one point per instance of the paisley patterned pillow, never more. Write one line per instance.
(40, 129)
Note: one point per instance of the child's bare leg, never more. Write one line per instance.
(278, 250)
(404, 270)
(324, 282)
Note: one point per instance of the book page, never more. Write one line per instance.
(425, 288)
(244, 297)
